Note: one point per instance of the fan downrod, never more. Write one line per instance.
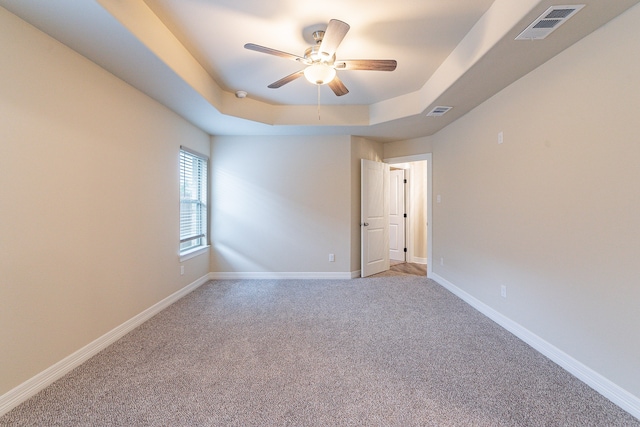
(318, 36)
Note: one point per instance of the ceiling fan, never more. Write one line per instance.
(320, 60)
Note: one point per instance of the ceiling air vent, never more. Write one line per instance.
(549, 21)
(438, 111)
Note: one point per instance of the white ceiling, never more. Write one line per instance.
(419, 35)
(189, 55)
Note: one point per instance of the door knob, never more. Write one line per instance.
(366, 224)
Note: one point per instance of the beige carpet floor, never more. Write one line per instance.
(384, 351)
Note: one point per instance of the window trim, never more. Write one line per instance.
(193, 252)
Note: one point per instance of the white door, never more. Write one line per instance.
(374, 217)
(396, 215)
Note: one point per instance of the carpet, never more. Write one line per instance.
(388, 351)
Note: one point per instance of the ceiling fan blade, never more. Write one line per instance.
(367, 64)
(283, 81)
(338, 87)
(333, 35)
(274, 52)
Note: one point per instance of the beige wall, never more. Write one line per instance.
(408, 147)
(281, 204)
(553, 212)
(88, 202)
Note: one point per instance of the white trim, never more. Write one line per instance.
(192, 253)
(29, 388)
(274, 275)
(418, 260)
(407, 159)
(429, 159)
(596, 381)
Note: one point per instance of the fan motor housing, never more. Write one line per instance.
(313, 54)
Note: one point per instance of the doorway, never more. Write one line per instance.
(417, 198)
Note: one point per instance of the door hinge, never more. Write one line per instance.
(405, 249)
(405, 215)
(405, 181)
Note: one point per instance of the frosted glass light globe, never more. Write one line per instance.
(319, 74)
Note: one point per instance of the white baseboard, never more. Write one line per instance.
(29, 388)
(240, 275)
(602, 385)
(418, 260)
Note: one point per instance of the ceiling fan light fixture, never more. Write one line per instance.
(319, 73)
(320, 60)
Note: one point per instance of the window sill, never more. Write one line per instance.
(192, 253)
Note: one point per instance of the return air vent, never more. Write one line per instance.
(548, 22)
(438, 111)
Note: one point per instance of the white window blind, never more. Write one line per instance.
(193, 200)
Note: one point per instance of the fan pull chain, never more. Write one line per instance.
(318, 102)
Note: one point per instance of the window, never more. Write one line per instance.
(193, 201)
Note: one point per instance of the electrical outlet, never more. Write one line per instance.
(181, 270)
(332, 258)
(503, 291)
(438, 199)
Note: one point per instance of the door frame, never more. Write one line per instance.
(428, 157)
